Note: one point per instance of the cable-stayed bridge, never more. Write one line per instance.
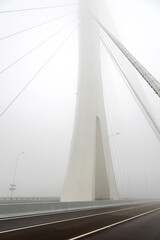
(112, 53)
(98, 169)
(90, 150)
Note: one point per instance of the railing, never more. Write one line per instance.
(30, 199)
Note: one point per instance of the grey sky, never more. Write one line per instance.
(40, 122)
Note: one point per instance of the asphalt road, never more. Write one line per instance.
(138, 221)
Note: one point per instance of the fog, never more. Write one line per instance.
(40, 121)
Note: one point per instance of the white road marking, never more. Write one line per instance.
(65, 220)
(114, 224)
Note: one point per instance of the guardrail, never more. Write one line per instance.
(25, 208)
(30, 198)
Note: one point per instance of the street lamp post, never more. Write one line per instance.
(12, 185)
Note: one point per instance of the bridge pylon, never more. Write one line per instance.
(90, 174)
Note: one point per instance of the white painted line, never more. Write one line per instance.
(65, 220)
(114, 224)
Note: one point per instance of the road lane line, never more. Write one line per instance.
(114, 224)
(64, 220)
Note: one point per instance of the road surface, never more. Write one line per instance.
(138, 221)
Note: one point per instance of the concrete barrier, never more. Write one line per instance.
(25, 208)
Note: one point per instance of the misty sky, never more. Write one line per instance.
(40, 121)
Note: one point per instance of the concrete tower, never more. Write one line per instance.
(90, 173)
